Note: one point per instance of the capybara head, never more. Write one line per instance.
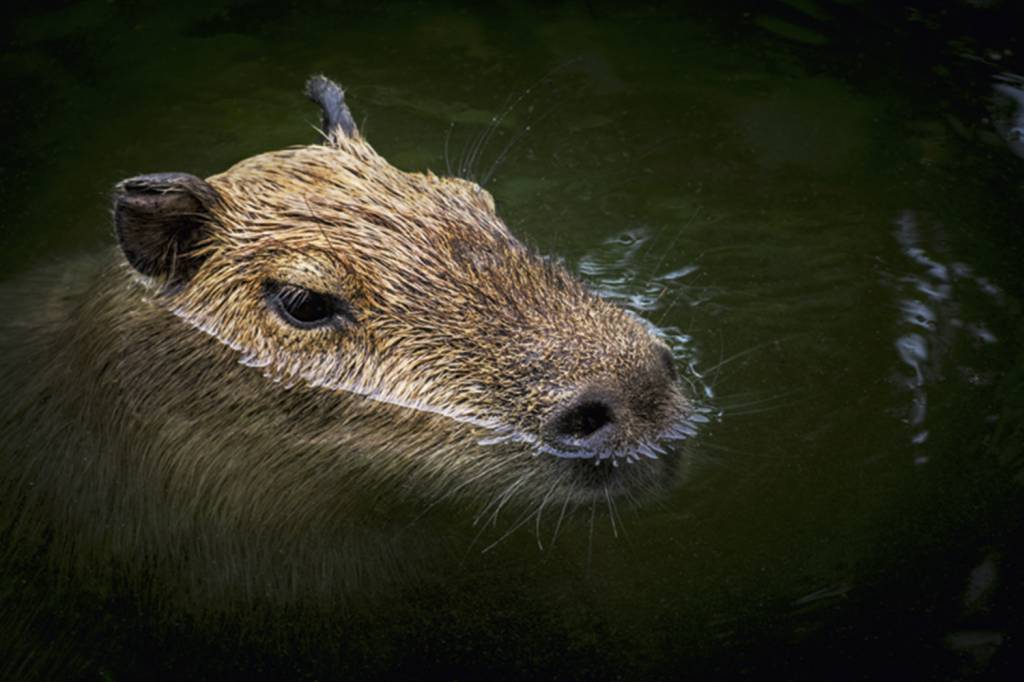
(325, 267)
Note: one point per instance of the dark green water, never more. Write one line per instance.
(817, 202)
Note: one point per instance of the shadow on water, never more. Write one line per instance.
(816, 204)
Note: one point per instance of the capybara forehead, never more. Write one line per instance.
(320, 212)
(320, 188)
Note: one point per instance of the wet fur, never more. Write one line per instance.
(167, 440)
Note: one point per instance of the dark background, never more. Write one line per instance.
(98, 91)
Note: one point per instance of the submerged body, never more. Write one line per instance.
(239, 410)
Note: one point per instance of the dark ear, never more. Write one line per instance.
(336, 118)
(160, 220)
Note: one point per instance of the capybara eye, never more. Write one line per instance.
(304, 308)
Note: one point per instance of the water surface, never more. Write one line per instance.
(821, 212)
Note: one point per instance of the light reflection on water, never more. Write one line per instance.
(625, 269)
(1009, 118)
(933, 317)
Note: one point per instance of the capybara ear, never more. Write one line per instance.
(336, 119)
(160, 220)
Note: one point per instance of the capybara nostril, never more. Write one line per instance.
(584, 419)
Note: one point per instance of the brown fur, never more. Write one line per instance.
(178, 445)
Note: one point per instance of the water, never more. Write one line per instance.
(820, 212)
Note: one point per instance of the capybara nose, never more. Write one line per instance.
(610, 412)
(588, 419)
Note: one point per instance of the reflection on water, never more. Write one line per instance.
(618, 271)
(1009, 119)
(931, 304)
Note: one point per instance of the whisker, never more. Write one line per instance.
(729, 407)
(726, 449)
(720, 249)
(526, 516)
(558, 524)
(540, 510)
(618, 518)
(590, 536)
(611, 517)
(494, 501)
(633, 502)
(479, 142)
(467, 151)
(472, 543)
(769, 408)
(482, 140)
(485, 137)
(452, 492)
(493, 521)
(675, 238)
(737, 356)
(447, 141)
(515, 140)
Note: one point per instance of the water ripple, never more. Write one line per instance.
(931, 324)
